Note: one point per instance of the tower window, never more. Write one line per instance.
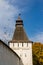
(20, 55)
(22, 44)
(18, 44)
(25, 55)
(27, 44)
(13, 44)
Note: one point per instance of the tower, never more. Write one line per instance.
(21, 44)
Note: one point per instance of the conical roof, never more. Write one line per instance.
(19, 33)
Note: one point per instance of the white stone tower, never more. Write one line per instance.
(21, 44)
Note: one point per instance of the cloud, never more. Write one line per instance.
(8, 14)
(5, 37)
(24, 5)
(38, 37)
(9, 9)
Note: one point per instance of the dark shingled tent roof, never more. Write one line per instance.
(19, 33)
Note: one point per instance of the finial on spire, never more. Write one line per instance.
(19, 16)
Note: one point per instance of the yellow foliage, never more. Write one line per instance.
(38, 50)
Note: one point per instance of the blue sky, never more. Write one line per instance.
(31, 13)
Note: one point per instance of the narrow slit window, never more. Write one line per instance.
(13, 44)
(27, 44)
(22, 44)
(25, 55)
(18, 44)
